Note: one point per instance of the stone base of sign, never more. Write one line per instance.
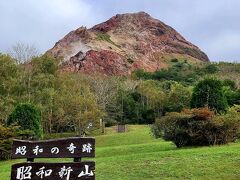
(121, 128)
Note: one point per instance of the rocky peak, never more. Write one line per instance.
(122, 21)
(122, 44)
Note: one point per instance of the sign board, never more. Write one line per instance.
(58, 148)
(53, 171)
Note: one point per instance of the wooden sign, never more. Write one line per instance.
(58, 148)
(53, 171)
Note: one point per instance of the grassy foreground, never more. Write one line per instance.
(136, 155)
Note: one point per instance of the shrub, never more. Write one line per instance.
(27, 117)
(6, 133)
(209, 93)
(110, 122)
(233, 97)
(141, 74)
(198, 127)
(6, 137)
(148, 116)
(174, 60)
(230, 83)
(211, 69)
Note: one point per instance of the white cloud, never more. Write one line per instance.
(68, 8)
(63, 9)
(224, 45)
(41, 22)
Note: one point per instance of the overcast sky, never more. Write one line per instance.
(213, 25)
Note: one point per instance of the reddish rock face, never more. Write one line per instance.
(123, 44)
(99, 62)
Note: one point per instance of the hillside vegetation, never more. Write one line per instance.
(67, 102)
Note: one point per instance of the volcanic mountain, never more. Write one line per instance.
(123, 44)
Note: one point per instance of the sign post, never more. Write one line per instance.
(76, 148)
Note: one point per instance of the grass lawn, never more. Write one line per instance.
(136, 155)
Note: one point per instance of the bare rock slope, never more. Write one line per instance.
(121, 45)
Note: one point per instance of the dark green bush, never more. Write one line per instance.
(141, 74)
(211, 69)
(27, 117)
(197, 127)
(110, 122)
(230, 83)
(233, 97)
(174, 60)
(148, 117)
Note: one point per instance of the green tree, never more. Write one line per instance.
(75, 106)
(9, 73)
(209, 93)
(152, 96)
(131, 108)
(27, 117)
(179, 97)
(45, 64)
(41, 87)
